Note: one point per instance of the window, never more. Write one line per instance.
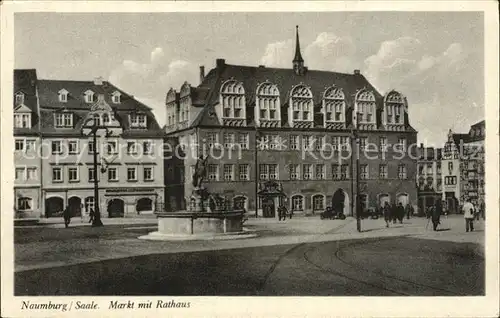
(92, 147)
(320, 172)
(147, 147)
(450, 180)
(382, 171)
(91, 174)
(20, 174)
(273, 172)
(402, 143)
(335, 172)
(19, 98)
(138, 121)
(263, 172)
(148, 174)
(274, 142)
(306, 142)
(297, 203)
(319, 142)
(294, 142)
(363, 172)
(89, 96)
(56, 147)
(112, 174)
(73, 174)
(365, 101)
(307, 172)
(112, 147)
(318, 203)
(89, 204)
(383, 143)
(132, 174)
(344, 172)
(63, 97)
(228, 172)
(334, 104)
(263, 142)
(116, 98)
(294, 172)
(57, 174)
(301, 103)
(429, 168)
(213, 172)
(64, 120)
(362, 143)
(228, 140)
(244, 172)
(345, 142)
(73, 146)
(232, 99)
(243, 140)
(268, 101)
(22, 120)
(402, 172)
(19, 144)
(31, 173)
(212, 139)
(131, 147)
(24, 204)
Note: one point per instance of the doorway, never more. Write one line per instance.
(116, 208)
(75, 206)
(268, 208)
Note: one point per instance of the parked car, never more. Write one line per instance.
(330, 214)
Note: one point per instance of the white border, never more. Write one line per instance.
(269, 306)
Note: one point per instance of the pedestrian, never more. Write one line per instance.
(468, 210)
(387, 214)
(67, 216)
(437, 210)
(289, 213)
(92, 215)
(481, 210)
(408, 211)
(394, 213)
(476, 211)
(400, 210)
(280, 212)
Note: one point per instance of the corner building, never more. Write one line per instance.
(290, 131)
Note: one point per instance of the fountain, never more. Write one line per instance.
(208, 217)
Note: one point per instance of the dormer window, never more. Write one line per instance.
(268, 104)
(232, 98)
(89, 96)
(63, 96)
(138, 121)
(334, 105)
(19, 98)
(394, 108)
(22, 120)
(64, 120)
(365, 103)
(116, 97)
(301, 104)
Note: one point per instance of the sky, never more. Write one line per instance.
(436, 59)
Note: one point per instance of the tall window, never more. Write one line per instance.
(89, 204)
(31, 173)
(268, 102)
(228, 140)
(365, 101)
(19, 143)
(319, 142)
(148, 174)
(232, 99)
(112, 174)
(344, 172)
(57, 174)
(64, 120)
(228, 172)
(243, 140)
(301, 104)
(307, 142)
(91, 174)
(320, 172)
(132, 174)
(334, 105)
(56, 146)
(394, 104)
(294, 142)
(273, 172)
(22, 120)
(335, 172)
(297, 203)
(147, 147)
(132, 147)
(212, 139)
(213, 172)
(263, 172)
(116, 97)
(19, 98)
(73, 174)
(89, 96)
(73, 146)
(318, 202)
(274, 142)
(382, 171)
(112, 147)
(362, 143)
(294, 172)
(20, 173)
(402, 172)
(363, 172)
(244, 172)
(383, 143)
(306, 171)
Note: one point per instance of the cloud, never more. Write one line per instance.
(150, 81)
(279, 54)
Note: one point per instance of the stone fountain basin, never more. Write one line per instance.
(200, 226)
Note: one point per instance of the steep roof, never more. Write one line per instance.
(25, 81)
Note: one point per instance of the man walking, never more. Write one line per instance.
(468, 210)
(437, 210)
(400, 212)
(92, 215)
(387, 214)
(67, 216)
(408, 210)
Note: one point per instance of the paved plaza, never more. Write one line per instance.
(302, 256)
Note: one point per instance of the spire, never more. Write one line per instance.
(298, 61)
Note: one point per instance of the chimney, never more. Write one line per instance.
(220, 63)
(202, 73)
(357, 72)
(98, 80)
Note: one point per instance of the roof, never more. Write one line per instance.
(25, 81)
(285, 80)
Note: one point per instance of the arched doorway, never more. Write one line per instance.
(144, 205)
(116, 208)
(340, 202)
(240, 203)
(403, 199)
(54, 207)
(75, 206)
(268, 207)
(382, 199)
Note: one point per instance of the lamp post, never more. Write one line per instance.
(256, 164)
(355, 140)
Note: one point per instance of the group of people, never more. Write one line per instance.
(283, 212)
(67, 214)
(396, 213)
(469, 211)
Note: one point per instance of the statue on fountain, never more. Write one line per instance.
(199, 194)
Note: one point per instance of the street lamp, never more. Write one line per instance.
(93, 133)
(355, 140)
(256, 163)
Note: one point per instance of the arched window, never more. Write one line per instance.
(267, 101)
(365, 101)
(297, 203)
(232, 98)
(394, 108)
(318, 202)
(301, 99)
(334, 105)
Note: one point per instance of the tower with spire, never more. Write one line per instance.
(298, 61)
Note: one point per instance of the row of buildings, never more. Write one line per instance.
(455, 172)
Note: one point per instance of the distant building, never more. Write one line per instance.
(463, 167)
(429, 177)
(272, 116)
(130, 169)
